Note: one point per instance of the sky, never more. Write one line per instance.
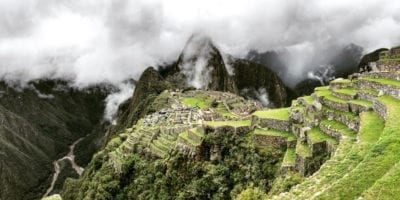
(109, 41)
(96, 41)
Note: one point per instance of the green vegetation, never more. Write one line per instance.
(342, 128)
(302, 149)
(290, 157)
(339, 80)
(349, 154)
(273, 132)
(199, 100)
(228, 123)
(377, 162)
(251, 194)
(280, 114)
(348, 91)
(316, 136)
(239, 167)
(185, 136)
(384, 81)
(362, 102)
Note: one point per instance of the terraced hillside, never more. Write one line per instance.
(339, 143)
(360, 123)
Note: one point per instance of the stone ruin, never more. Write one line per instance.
(389, 61)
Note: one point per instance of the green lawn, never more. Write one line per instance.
(280, 114)
(228, 123)
(199, 100)
(383, 81)
(316, 136)
(273, 132)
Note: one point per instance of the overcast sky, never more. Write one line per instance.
(91, 41)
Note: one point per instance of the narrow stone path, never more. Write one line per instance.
(71, 157)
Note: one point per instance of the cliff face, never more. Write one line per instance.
(203, 66)
(253, 80)
(37, 125)
(149, 86)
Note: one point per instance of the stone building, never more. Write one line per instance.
(389, 61)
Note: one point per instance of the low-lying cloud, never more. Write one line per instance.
(110, 41)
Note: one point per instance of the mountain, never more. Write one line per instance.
(341, 62)
(38, 122)
(201, 65)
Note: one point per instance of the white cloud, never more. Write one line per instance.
(109, 41)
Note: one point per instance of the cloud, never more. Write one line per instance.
(115, 99)
(110, 41)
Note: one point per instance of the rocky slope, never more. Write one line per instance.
(37, 125)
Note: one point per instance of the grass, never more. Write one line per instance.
(185, 135)
(308, 99)
(347, 156)
(228, 123)
(199, 100)
(322, 91)
(290, 157)
(379, 160)
(362, 102)
(347, 91)
(384, 81)
(368, 91)
(302, 149)
(316, 136)
(338, 126)
(273, 132)
(221, 109)
(341, 81)
(321, 88)
(280, 114)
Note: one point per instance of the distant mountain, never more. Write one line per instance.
(37, 125)
(342, 63)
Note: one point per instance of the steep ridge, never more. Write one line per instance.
(360, 166)
(37, 125)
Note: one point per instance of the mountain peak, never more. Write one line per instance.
(203, 66)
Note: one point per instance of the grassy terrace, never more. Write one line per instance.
(362, 102)
(221, 109)
(184, 135)
(378, 161)
(368, 91)
(302, 149)
(387, 186)
(321, 88)
(348, 91)
(290, 157)
(280, 114)
(339, 126)
(383, 81)
(273, 132)
(308, 99)
(199, 100)
(316, 136)
(228, 123)
(348, 155)
(348, 114)
(341, 81)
